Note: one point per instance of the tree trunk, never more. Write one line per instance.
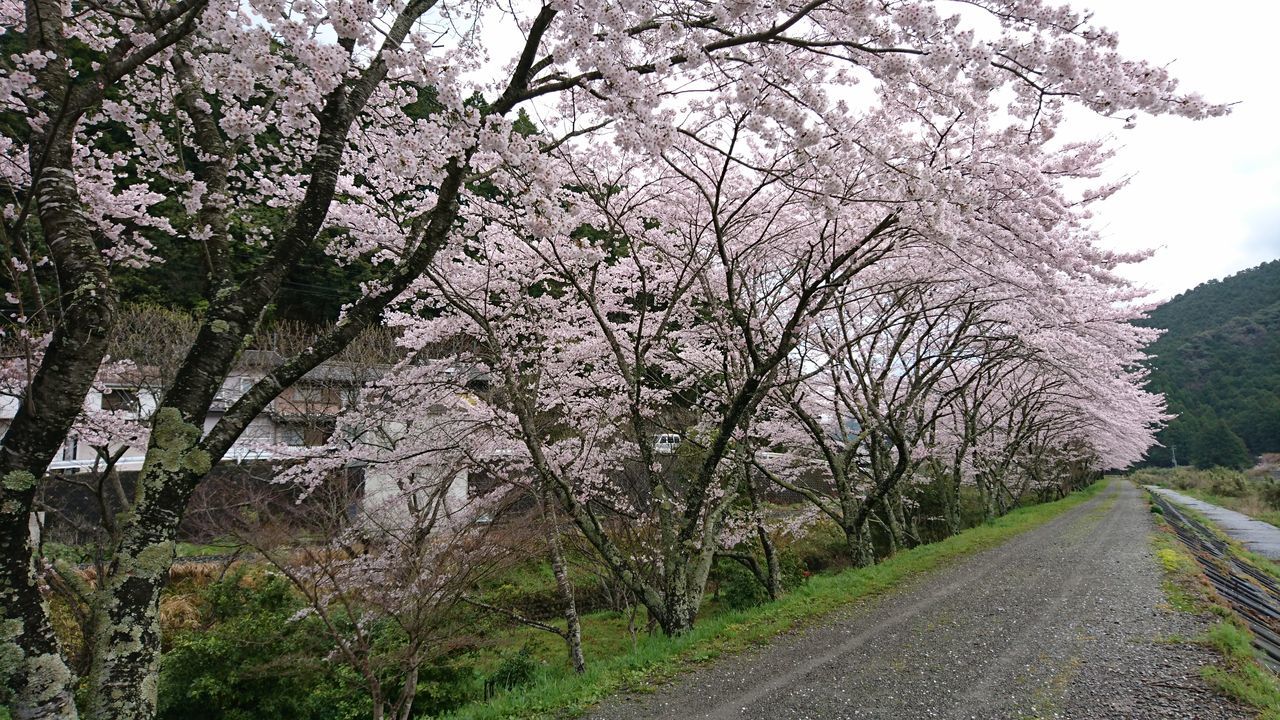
(126, 657)
(897, 523)
(573, 625)
(987, 497)
(858, 541)
(127, 644)
(950, 491)
(774, 570)
(679, 615)
(890, 534)
(38, 682)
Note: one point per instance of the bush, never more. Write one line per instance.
(515, 670)
(794, 571)
(821, 548)
(252, 660)
(1271, 494)
(444, 688)
(1227, 483)
(737, 586)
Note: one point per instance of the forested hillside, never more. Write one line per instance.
(1218, 363)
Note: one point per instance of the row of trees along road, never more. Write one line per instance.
(836, 244)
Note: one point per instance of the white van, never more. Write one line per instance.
(666, 443)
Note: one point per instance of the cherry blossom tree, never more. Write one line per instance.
(390, 586)
(871, 388)
(381, 131)
(1071, 389)
(678, 289)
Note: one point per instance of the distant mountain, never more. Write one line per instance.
(1218, 364)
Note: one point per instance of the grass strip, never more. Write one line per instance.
(1261, 562)
(1241, 676)
(559, 693)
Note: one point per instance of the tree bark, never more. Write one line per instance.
(39, 681)
(857, 537)
(573, 625)
(773, 569)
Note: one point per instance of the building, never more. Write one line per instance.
(120, 407)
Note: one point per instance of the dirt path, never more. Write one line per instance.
(1064, 621)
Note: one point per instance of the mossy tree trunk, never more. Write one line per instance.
(126, 647)
(36, 681)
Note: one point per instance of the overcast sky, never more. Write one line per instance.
(1205, 193)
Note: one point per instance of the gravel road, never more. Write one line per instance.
(1065, 621)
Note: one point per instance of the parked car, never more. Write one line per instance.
(666, 443)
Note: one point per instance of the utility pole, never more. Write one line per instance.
(1174, 449)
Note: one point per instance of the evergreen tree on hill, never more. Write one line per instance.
(1218, 364)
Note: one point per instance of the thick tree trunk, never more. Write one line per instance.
(857, 538)
(122, 676)
(679, 616)
(38, 682)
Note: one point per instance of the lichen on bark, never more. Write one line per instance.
(18, 481)
(155, 559)
(10, 652)
(174, 444)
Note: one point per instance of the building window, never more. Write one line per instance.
(120, 399)
(291, 435)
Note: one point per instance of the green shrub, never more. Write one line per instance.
(737, 586)
(255, 661)
(515, 670)
(1271, 494)
(794, 571)
(444, 688)
(1227, 483)
(256, 657)
(820, 548)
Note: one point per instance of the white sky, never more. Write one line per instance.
(1205, 193)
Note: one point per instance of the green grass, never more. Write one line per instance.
(614, 665)
(196, 550)
(1242, 677)
(85, 553)
(1181, 574)
(1261, 562)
